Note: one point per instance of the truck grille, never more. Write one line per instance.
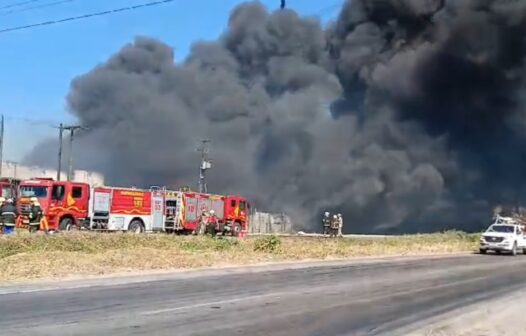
(493, 239)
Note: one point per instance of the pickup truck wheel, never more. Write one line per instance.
(514, 249)
(524, 251)
(482, 251)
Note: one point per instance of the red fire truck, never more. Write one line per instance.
(126, 209)
(69, 205)
(231, 211)
(65, 204)
(158, 209)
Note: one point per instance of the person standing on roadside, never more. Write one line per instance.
(2, 202)
(326, 221)
(213, 223)
(335, 223)
(203, 223)
(340, 225)
(36, 216)
(9, 214)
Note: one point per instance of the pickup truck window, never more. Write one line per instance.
(502, 228)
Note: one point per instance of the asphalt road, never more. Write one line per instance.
(338, 299)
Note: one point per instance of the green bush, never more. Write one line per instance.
(267, 244)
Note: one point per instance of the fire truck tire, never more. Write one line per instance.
(66, 224)
(136, 226)
(236, 229)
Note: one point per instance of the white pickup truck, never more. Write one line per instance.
(504, 235)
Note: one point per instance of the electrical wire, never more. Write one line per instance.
(20, 3)
(51, 4)
(86, 16)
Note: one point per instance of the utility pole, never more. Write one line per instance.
(60, 132)
(204, 166)
(71, 129)
(1, 145)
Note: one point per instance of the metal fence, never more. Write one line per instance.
(263, 222)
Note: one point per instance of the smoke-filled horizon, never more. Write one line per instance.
(425, 130)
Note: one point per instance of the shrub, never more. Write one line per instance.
(267, 244)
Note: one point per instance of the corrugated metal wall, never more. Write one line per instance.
(263, 222)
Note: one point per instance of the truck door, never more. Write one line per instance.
(57, 196)
(157, 210)
(521, 241)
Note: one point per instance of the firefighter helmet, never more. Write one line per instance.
(212, 212)
(2, 199)
(334, 216)
(33, 199)
(9, 200)
(326, 214)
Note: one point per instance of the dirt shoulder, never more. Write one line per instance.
(500, 317)
(89, 254)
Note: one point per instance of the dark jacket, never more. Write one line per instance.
(8, 214)
(35, 213)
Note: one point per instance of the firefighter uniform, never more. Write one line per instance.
(9, 214)
(203, 223)
(213, 223)
(335, 223)
(2, 202)
(326, 221)
(36, 216)
(340, 225)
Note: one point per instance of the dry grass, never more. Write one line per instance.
(32, 257)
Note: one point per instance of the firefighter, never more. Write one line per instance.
(2, 202)
(36, 216)
(9, 215)
(335, 223)
(203, 223)
(326, 223)
(340, 225)
(213, 222)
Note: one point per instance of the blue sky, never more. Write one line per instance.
(38, 64)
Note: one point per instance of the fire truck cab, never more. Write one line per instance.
(65, 204)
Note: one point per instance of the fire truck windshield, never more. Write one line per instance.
(33, 191)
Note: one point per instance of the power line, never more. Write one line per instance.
(20, 3)
(86, 16)
(32, 121)
(51, 4)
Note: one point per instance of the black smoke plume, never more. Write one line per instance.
(404, 115)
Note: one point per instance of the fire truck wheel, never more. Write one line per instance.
(236, 229)
(136, 226)
(66, 224)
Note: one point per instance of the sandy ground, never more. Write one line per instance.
(500, 317)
